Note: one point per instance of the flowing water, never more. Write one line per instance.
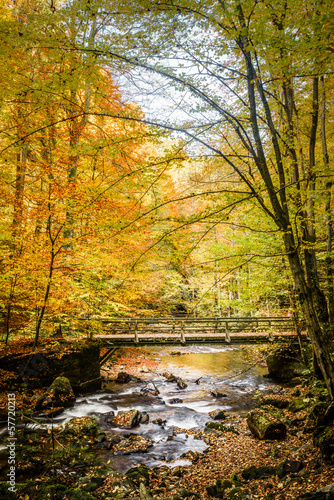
(204, 369)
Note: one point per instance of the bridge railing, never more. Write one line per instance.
(182, 326)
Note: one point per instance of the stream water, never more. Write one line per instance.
(204, 369)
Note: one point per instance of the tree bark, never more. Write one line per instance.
(317, 329)
(311, 298)
(328, 208)
(21, 165)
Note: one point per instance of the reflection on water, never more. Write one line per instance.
(219, 361)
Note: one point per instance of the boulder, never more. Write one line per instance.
(170, 377)
(83, 427)
(145, 418)
(140, 474)
(143, 493)
(184, 493)
(217, 414)
(107, 418)
(288, 467)
(253, 472)
(265, 426)
(181, 383)
(278, 401)
(112, 440)
(132, 444)
(215, 426)
(324, 493)
(217, 490)
(175, 401)
(284, 364)
(91, 483)
(123, 378)
(315, 417)
(159, 421)
(127, 419)
(59, 394)
(218, 394)
(325, 441)
(299, 404)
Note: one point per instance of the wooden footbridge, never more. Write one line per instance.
(182, 330)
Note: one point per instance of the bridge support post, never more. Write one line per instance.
(89, 331)
(136, 334)
(183, 338)
(227, 333)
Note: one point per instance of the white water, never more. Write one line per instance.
(222, 368)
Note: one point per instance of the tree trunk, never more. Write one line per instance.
(318, 329)
(19, 189)
(329, 223)
(309, 235)
(48, 286)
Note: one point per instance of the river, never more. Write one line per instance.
(204, 369)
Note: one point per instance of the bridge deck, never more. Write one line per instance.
(203, 338)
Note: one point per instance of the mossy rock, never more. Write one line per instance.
(139, 474)
(288, 467)
(235, 479)
(253, 472)
(265, 426)
(284, 364)
(93, 483)
(299, 404)
(78, 494)
(324, 493)
(59, 394)
(127, 419)
(54, 491)
(325, 441)
(315, 417)
(82, 426)
(217, 490)
(5, 494)
(280, 403)
(218, 414)
(184, 493)
(220, 427)
(275, 412)
(238, 493)
(37, 491)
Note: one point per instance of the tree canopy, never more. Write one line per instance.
(166, 153)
